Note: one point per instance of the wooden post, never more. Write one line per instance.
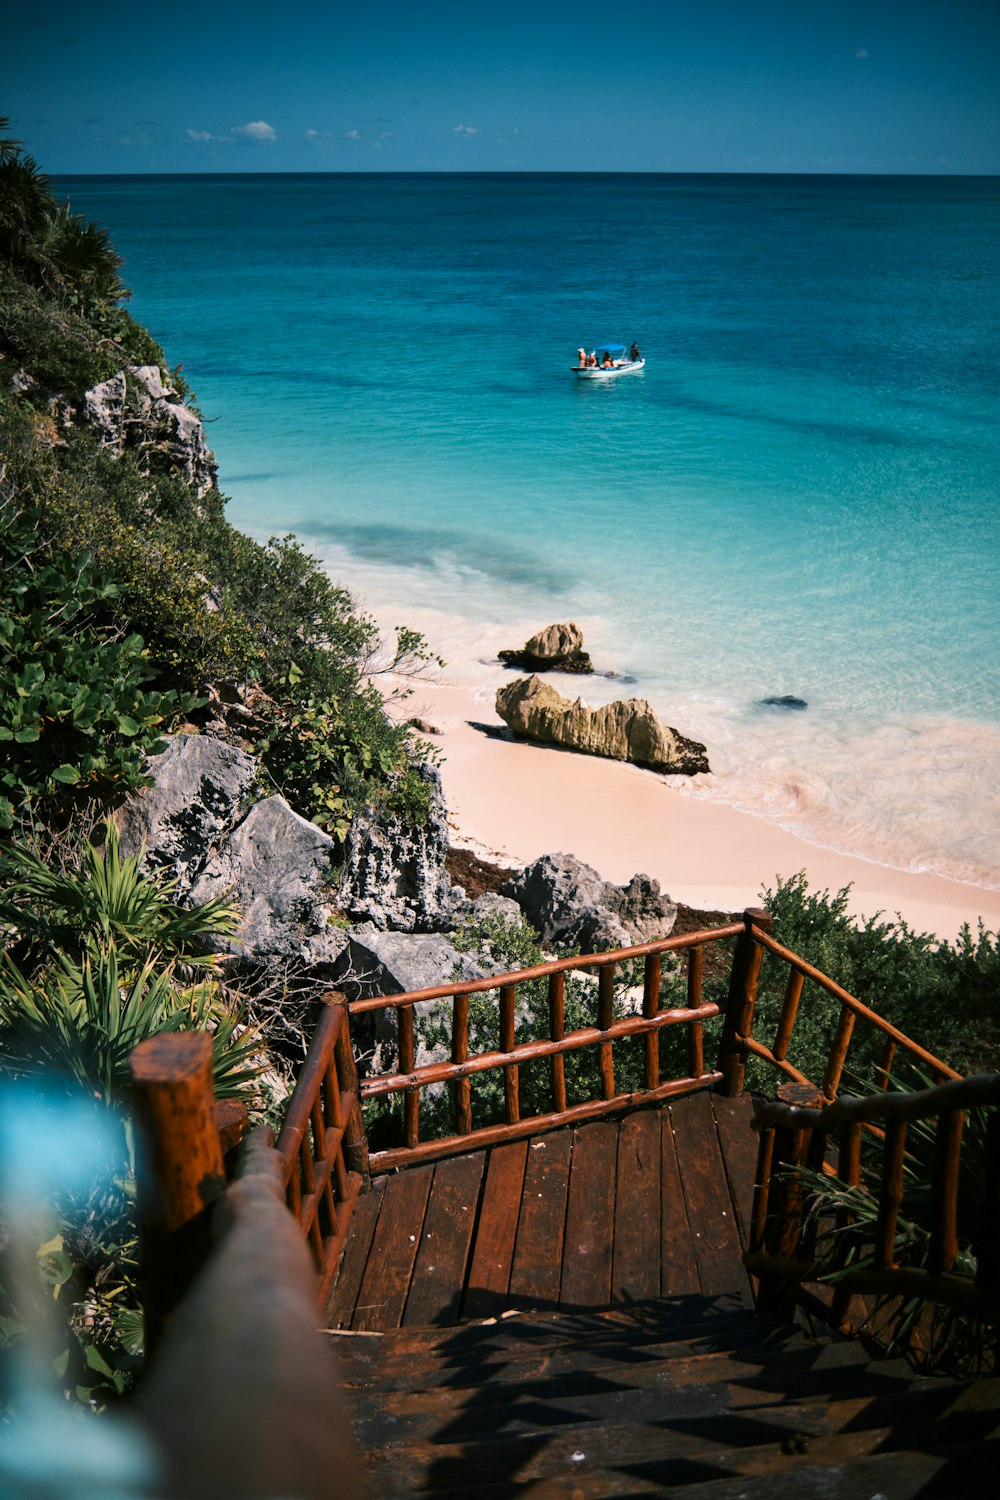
(461, 1088)
(742, 1001)
(651, 1008)
(557, 1026)
(355, 1136)
(785, 1198)
(179, 1167)
(511, 1075)
(605, 1016)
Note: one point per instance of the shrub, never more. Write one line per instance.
(76, 717)
(942, 995)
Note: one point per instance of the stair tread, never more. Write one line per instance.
(646, 1460)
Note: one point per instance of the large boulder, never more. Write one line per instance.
(394, 873)
(624, 730)
(570, 906)
(135, 410)
(277, 870)
(557, 648)
(201, 790)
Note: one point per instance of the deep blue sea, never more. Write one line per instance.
(798, 495)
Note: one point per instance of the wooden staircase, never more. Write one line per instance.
(689, 1393)
(613, 1244)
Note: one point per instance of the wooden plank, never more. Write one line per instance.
(537, 1268)
(636, 1265)
(678, 1267)
(340, 1308)
(493, 1252)
(739, 1155)
(711, 1217)
(449, 1223)
(590, 1213)
(386, 1281)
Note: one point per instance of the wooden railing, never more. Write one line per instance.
(410, 1081)
(322, 1145)
(739, 1043)
(958, 1211)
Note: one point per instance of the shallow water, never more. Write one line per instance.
(797, 495)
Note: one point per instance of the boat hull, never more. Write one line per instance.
(589, 373)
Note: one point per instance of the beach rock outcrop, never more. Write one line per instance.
(569, 905)
(135, 410)
(202, 788)
(557, 648)
(786, 700)
(276, 868)
(625, 730)
(394, 873)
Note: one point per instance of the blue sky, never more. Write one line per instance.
(678, 85)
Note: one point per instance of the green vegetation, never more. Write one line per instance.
(130, 606)
(119, 576)
(96, 958)
(942, 995)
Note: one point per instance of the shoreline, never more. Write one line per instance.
(511, 801)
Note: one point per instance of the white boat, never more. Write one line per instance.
(611, 360)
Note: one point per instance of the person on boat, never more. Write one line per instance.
(607, 363)
(633, 353)
(592, 360)
(581, 355)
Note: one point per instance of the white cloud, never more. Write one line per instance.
(354, 135)
(200, 136)
(862, 52)
(255, 130)
(466, 130)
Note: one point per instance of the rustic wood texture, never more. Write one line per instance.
(711, 1215)
(493, 1254)
(537, 1270)
(386, 1281)
(449, 1223)
(590, 1215)
(593, 1217)
(636, 1268)
(180, 1167)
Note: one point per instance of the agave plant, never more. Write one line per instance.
(106, 899)
(844, 1220)
(91, 970)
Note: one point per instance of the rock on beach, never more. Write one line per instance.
(627, 729)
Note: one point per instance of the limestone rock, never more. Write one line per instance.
(394, 963)
(201, 790)
(557, 648)
(394, 874)
(625, 730)
(570, 906)
(276, 868)
(135, 410)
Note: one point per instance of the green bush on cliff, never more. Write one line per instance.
(946, 996)
(187, 601)
(76, 714)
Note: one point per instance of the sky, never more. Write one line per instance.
(526, 85)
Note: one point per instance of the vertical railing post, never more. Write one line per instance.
(355, 1143)
(605, 1016)
(179, 1167)
(461, 1089)
(651, 1008)
(557, 1027)
(742, 1001)
(785, 1198)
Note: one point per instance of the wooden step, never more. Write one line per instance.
(637, 1459)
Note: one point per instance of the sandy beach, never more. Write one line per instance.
(513, 801)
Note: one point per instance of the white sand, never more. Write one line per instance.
(512, 801)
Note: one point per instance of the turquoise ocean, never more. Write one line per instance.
(799, 494)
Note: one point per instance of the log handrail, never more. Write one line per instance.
(580, 961)
(793, 1131)
(460, 1066)
(322, 1147)
(244, 1399)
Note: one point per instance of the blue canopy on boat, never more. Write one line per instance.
(610, 348)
